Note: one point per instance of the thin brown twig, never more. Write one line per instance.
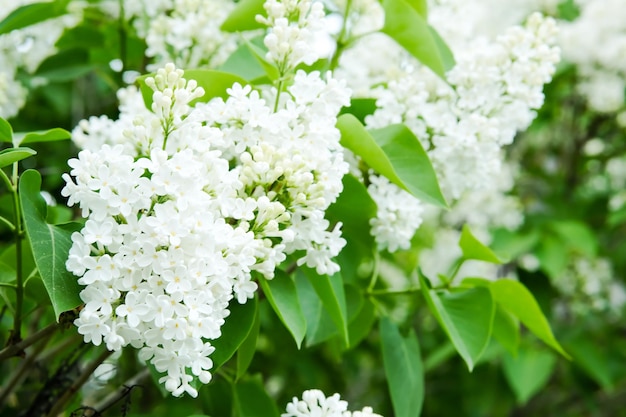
(121, 392)
(17, 348)
(73, 389)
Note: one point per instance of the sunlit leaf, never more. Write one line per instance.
(31, 14)
(410, 30)
(474, 249)
(243, 17)
(396, 153)
(6, 132)
(514, 297)
(466, 317)
(51, 135)
(10, 155)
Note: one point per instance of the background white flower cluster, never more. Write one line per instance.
(24, 49)
(315, 404)
(491, 94)
(197, 199)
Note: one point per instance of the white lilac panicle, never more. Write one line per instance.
(315, 404)
(190, 34)
(602, 69)
(185, 203)
(589, 286)
(24, 49)
(399, 214)
(294, 26)
(496, 86)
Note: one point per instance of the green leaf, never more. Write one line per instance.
(577, 236)
(244, 63)
(258, 52)
(592, 359)
(361, 325)
(513, 244)
(409, 29)
(410, 161)
(215, 84)
(283, 297)
(396, 153)
(403, 368)
(319, 325)
(360, 108)
(246, 351)
(528, 372)
(11, 155)
(473, 249)
(466, 317)
(6, 132)
(553, 256)
(50, 245)
(251, 400)
(51, 135)
(216, 398)
(506, 330)
(243, 17)
(515, 298)
(420, 6)
(66, 65)
(356, 223)
(331, 293)
(234, 331)
(31, 14)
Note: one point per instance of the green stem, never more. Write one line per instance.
(6, 179)
(406, 291)
(279, 90)
(7, 285)
(16, 335)
(372, 284)
(8, 223)
(341, 42)
(455, 269)
(122, 34)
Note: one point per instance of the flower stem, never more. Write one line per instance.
(16, 334)
(406, 291)
(341, 42)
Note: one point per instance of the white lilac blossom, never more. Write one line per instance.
(24, 49)
(190, 35)
(602, 69)
(493, 91)
(185, 203)
(315, 404)
(294, 26)
(589, 286)
(399, 214)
